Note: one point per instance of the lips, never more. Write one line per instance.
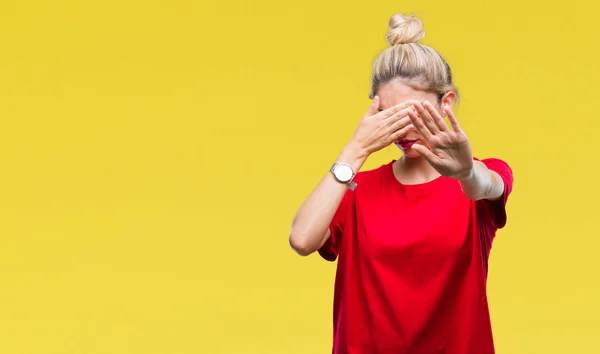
(405, 143)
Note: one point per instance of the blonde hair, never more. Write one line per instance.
(417, 65)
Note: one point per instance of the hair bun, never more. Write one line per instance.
(404, 29)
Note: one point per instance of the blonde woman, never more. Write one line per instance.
(412, 237)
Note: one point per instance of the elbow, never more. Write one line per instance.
(299, 244)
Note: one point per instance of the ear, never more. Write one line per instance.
(448, 99)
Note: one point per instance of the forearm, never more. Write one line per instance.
(482, 183)
(312, 220)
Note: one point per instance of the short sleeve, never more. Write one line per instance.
(329, 250)
(496, 209)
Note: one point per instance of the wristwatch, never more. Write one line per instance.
(343, 173)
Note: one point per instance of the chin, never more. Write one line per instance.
(411, 154)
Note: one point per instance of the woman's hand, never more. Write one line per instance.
(380, 129)
(449, 150)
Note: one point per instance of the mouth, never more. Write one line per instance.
(405, 144)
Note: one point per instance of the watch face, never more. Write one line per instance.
(343, 173)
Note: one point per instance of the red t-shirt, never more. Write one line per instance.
(412, 265)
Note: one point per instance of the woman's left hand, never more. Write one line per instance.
(449, 150)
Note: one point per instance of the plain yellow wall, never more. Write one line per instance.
(153, 154)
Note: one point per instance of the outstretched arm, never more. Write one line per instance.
(451, 153)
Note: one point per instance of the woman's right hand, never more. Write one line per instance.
(378, 130)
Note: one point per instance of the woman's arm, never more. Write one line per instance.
(482, 183)
(310, 227)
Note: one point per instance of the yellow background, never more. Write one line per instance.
(153, 154)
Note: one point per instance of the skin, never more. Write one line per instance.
(398, 112)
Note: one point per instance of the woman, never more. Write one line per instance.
(412, 237)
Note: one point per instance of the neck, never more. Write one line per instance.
(414, 170)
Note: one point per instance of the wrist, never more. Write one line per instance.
(477, 182)
(466, 176)
(353, 155)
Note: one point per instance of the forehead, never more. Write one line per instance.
(395, 92)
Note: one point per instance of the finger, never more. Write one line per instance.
(429, 123)
(418, 123)
(398, 134)
(437, 118)
(425, 152)
(374, 107)
(399, 116)
(395, 109)
(452, 119)
(399, 124)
